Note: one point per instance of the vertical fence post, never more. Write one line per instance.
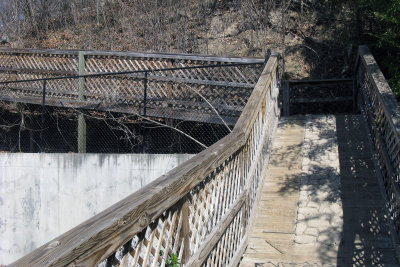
(145, 93)
(81, 117)
(286, 98)
(43, 111)
(185, 231)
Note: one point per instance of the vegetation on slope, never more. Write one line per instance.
(318, 38)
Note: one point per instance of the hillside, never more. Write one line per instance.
(317, 38)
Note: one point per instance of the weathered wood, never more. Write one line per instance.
(38, 71)
(185, 232)
(81, 133)
(260, 90)
(381, 86)
(156, 77)
(102, 232)
(133, 54)
(198, 258)
(81, 117)
(218, 175)
(127, 90)
(81, 71)
(383, 114)
(161, 112)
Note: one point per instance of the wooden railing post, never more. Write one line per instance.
(185, 231)
(81, 117)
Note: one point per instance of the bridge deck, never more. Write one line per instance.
(320, 202)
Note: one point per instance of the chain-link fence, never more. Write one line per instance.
(21, 130)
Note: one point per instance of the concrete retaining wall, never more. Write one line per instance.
(44, 195)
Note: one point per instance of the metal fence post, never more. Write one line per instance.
(43, 111)
(81, 117)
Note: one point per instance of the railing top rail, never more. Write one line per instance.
(129, 216)
(390, 106)
(132, 72)
(177, 56)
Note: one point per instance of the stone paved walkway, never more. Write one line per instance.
(320, 203)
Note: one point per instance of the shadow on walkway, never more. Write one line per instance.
(365, 240)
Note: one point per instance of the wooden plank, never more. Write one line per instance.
(156, 77)
(185, 231)
(160, 112)
(38, 71)
(81, 71)
(81, 133)
(81, 117)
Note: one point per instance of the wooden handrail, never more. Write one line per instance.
(383, 116)
(219, 186)
(384, 93)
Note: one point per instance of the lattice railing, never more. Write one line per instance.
(199, 211)
(228, 88)
(383, 116)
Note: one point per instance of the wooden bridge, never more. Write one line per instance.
(315, 190)
(156, 85)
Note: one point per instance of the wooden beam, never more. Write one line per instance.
(92, 53)
(81, 116)
(38, 71)
(155, 77)
(261, 88)
(158, 112)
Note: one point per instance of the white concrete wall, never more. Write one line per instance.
(44, 195)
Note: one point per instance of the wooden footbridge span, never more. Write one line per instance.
(155, 85)
(320, 190)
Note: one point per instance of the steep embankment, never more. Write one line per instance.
(318, 38)
(306, 32)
